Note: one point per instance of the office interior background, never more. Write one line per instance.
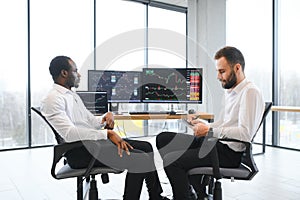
(34, 31)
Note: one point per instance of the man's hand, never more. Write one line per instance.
(193, 119)
(109, 119)
(200, 129)
(121, 144)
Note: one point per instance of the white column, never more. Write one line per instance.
(207, 34)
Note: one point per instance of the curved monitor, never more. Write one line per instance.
(120, 86)
(167, 85)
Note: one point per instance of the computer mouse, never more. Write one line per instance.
(191, 111)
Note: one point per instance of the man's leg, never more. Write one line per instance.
(167, 142)
(134, 163)
(177, 170)
(133, 186)
(152, 179)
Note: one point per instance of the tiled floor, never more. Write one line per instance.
(25, 175)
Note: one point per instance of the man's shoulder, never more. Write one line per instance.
(52, 96)
(251, 86)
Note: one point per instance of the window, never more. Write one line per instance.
(58, 27)
(166, 49)
(120, 41)
(288, 72)
(13, 77)
(68, 27)
(249, 28)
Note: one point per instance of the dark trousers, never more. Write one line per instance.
(140, 165)
(180, 154)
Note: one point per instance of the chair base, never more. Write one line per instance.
(93, 192)
(214, 191)
(87, 190)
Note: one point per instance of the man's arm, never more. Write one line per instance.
(249, 116)
(54, 109)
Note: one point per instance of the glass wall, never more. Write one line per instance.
(124, 44)
(166, 49)
(249, 28)
(13, 76)
(167, 55)
(118, 30)
(68, 32)
(72, 31)
(120, 46)
(120, 41)
(288, 72)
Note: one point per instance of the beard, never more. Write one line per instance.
(230, 82)
(73, 82)
(76, 82)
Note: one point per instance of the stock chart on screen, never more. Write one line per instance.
(168, 85)
(121, 86)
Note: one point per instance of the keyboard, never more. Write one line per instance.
(152, 113)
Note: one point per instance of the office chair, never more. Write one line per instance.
(81, 174)
(246, 171)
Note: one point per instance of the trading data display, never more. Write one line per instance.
(120, 86)
(167, 85)
(96, 102)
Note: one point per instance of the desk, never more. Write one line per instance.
(286, 108)
(202, 115)
(146, 117)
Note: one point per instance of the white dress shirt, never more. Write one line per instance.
(65, 110)
(243, 111)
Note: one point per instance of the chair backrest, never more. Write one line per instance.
(58, 138)
(268, 106)
(247, 158)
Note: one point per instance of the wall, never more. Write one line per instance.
(207, 34)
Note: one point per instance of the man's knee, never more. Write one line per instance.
(163, 139)
(141, 145)
(147, 147)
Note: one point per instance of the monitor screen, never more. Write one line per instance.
(96, 102)
(167, 85)
(120, 86)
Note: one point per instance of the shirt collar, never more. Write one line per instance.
(239, 87)
(61, 89)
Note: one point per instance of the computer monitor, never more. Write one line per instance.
(172, 85)
(96, 102)
(121, 86)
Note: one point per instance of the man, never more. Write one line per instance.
(64, 109)
(243, 110)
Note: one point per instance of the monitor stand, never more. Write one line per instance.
(172, 111)
(113, 107)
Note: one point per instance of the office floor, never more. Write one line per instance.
(25, 175)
